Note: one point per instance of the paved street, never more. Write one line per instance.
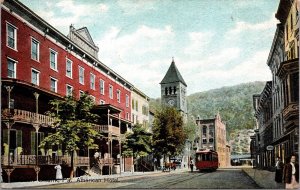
(222, 178)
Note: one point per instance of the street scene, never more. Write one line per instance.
(223, 178)
(198, 94)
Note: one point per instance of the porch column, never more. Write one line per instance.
(9, 122)
(36, 168)
(8, 172)
(109, 144)
(120, 155)
(36, 95)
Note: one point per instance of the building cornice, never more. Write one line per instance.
(277, 37)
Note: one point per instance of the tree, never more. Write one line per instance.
(168, 134)
(73, 125)
(138, 143)
(192, 133)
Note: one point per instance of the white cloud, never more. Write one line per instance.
(198, 41)
(144, 40)
(64, 13)
(102, 8)
(242, 26)
(252, 69)
(131, 8)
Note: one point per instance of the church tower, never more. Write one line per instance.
(173, 90)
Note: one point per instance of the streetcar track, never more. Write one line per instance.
(173, 181)
(176, 181)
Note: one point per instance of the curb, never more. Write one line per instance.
(252, 179)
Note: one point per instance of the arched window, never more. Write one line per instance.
(166, 91)
(170, 90)
(174, 90)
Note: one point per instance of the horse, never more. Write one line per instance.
(169, 166)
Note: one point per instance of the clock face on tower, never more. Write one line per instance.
(171, 102)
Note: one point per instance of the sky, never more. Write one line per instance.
(214, 43)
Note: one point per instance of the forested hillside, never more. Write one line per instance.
(234, 104)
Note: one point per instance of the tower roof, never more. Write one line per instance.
(172, 75)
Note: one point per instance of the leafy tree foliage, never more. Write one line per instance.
(138, 143)
(168, 134)
(73, 125)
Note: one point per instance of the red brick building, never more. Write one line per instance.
(38, 64)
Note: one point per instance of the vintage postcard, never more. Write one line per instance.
(149, 94)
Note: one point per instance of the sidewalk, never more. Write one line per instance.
(263, 178)
(123, 175)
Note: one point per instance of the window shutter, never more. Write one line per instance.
(33, 143)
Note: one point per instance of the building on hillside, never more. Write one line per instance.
(140, 108)
(213, 137)
(173, 90)
(283, 61)
(40, 64)
(263, 114)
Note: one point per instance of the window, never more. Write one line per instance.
(132, 104)
(11, 36)
(35, 77)
(11, 68)
(287, 31)
(92, 81)
(132, 118)
(204, 131)
(127, 101)
(35, 49)
(53, 84)
(69, 90)
(111, 92)
(81, 75)
(119, 96)
(101, 86)
(136, 106)
(80, 93)
(294, 81)
(102, 102)
(144, 110)
(69, 65)
(53, 60)
(127, 115)
(291, 22)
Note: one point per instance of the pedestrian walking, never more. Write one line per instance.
(58, 172)
(192, 165)
(291, 173)
(278, 170)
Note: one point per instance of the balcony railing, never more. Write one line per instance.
(291, 110)
(107, 128)
(27, 117)
(44, 160)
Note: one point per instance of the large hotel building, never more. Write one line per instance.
(39, 64)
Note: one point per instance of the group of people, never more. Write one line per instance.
(287, 173)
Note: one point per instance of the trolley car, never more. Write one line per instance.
(207, 160)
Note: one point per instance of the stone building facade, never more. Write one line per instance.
(173, 90)
(283, 62)
(213, 136)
